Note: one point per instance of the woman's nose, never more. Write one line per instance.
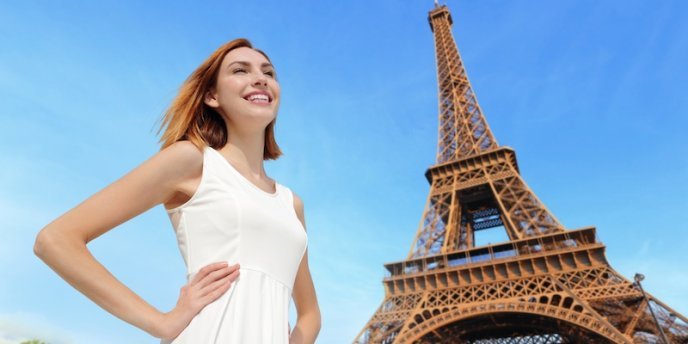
(261, 79)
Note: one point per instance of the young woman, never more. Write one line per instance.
(241, 234)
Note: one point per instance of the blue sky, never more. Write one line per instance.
(590, 94)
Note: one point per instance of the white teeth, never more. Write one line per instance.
(260, 97)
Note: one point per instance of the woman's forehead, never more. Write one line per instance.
(245, 54)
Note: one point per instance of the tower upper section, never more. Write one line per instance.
(463, 130)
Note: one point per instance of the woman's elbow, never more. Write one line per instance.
(47, 242)
(318, 325)
(41, 244)
(312, 319)
(316, 320)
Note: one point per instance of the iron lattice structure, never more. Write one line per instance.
(546, 284)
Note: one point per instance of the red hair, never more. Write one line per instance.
(189, 118)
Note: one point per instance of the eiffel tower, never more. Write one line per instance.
(546, 284)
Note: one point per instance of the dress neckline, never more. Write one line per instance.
(242, 177)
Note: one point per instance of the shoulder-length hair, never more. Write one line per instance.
(189, 118)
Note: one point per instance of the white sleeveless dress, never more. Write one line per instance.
(231, 219)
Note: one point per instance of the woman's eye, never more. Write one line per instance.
(239, 70)
(270, 73)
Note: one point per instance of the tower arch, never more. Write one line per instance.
(523, 322)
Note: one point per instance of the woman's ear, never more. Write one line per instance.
(210, 99)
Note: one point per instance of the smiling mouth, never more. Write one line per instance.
(258, 99)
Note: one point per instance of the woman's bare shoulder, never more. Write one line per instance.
(185, 162)
(183, 158)
(184, 151)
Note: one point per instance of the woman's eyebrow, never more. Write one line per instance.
(244, 63)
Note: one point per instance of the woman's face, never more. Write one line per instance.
(246, 93)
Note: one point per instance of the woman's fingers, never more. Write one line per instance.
(219, 287)
(210, 282)
(206, 286)
(216, 275)
(206, 270)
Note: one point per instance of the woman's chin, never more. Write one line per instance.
(259, 109)
(254, 119)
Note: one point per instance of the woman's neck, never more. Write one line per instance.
(246, 150)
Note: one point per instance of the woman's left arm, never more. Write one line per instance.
(308, 313)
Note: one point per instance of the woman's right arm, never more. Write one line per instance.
(62, 243)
